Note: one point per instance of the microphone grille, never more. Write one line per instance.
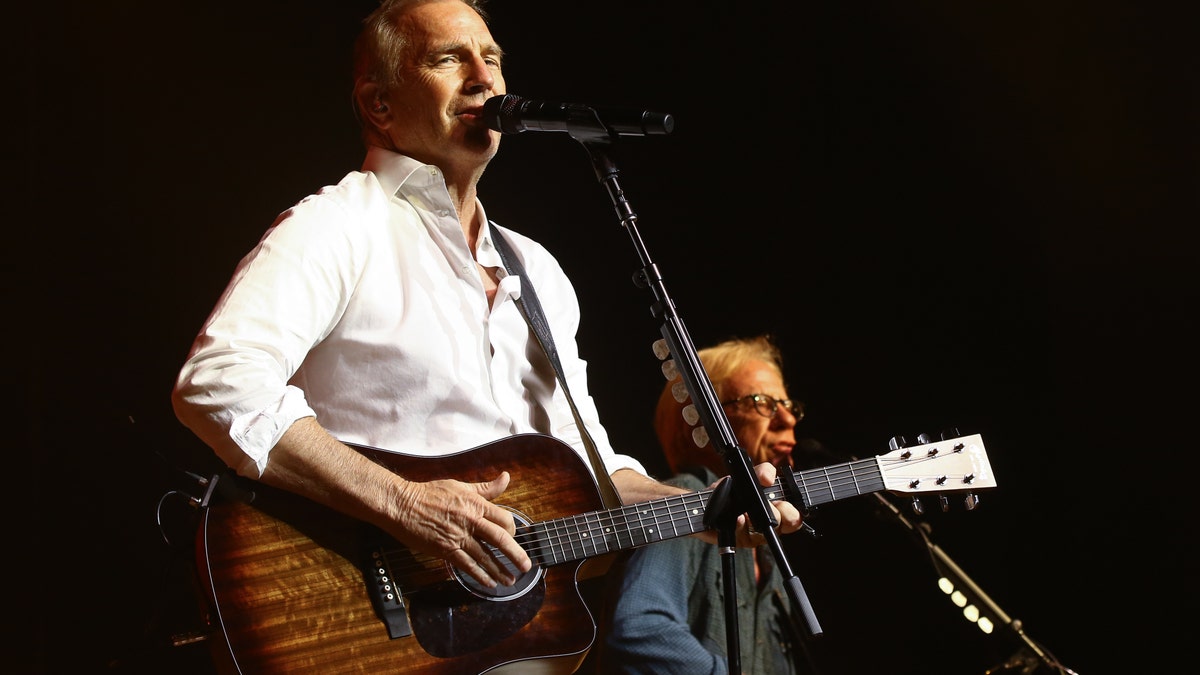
(498, 114)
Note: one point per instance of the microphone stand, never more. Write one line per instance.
(741, 492)
(1030, 657)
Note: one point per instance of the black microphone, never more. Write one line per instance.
(511, 114)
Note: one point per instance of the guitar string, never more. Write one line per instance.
(558, 531)
(563, 533)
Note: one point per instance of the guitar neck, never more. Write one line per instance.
(831, 483)
(599, 532)
(956, 464)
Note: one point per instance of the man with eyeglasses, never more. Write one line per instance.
(666, 612)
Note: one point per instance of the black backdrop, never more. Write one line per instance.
(949, 215)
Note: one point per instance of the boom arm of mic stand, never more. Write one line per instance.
(749, 495)
(947, 567)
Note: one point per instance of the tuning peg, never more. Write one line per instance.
(661, 350)
(945, 502)
(700, 437)
(897, 442)
(679, 391)
(669, 370)
(971, 501)
(690, 415)
(924, 439)
(950, 432)
(917, 507)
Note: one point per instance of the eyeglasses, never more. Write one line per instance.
(767, 406)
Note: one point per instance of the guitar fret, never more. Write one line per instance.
(850, 488)
(651, 522)
(616, 527)
(807, 478)
(658, 530)
(643, 534)
(595, 534)
(553, 541)
(695, 513)
(870, 482)
(573, 538)
(674, 528)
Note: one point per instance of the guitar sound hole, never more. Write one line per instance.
(525, 581)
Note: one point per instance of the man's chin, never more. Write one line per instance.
(482, 140)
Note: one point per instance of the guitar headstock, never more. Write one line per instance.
(957, 464)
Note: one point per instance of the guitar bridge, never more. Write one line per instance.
(385, 594)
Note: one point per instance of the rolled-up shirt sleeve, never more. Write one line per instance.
(258, 431)
(233, 391)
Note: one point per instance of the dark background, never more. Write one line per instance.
(950, 215)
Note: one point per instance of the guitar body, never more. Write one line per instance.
(288, 580)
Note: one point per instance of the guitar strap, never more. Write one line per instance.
(531, 309)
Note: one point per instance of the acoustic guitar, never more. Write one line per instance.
(295, 587)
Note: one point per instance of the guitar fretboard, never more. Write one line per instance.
(599, 532)
(591, 534)
(840, 481)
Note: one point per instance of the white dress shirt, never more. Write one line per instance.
(362, 305)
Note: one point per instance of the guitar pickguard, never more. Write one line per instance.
(451, 622)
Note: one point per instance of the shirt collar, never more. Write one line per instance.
(391, 169)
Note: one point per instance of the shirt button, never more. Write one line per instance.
(443, 213)
(466, 269)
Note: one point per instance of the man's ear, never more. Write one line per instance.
(371, 106)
